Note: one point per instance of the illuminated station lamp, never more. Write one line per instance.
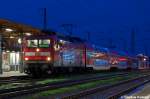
(28, 34)
(19, 41)
(8, 30)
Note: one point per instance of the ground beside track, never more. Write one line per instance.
(58, 93)
(142, 92)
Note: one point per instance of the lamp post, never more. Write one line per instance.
(20, 41)
(85, 56)
(1, 55)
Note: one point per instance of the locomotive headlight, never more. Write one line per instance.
(48, 58)
(37, 49)
(26, 58)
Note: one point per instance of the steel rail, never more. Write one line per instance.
(13, 92)
(86, 93)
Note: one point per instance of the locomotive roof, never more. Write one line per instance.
(101, 49)
(66, 38)
(71, 39)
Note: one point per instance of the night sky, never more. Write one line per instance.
(106, 20)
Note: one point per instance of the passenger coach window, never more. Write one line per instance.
(32, 43)
(44, 43)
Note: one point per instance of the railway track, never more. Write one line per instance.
(13, 92)
(24, 79)
(30, 89)
(16, 81)
(126, 88)
(113, 91)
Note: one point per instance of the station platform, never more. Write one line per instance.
(11, 74)
(142, 92)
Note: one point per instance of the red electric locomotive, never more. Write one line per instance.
(48, 54)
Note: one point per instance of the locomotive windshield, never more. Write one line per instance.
(32, 43)
(43, 43)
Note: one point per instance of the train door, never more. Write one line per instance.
(14, 61)
(11, 61)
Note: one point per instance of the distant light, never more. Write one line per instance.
(122, 59)
(7, 51)
(62, 41)
(11, 37)
(9, 30)
(144, 59)
(28, 34)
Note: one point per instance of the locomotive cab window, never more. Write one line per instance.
(32, 43)
(44, 43)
